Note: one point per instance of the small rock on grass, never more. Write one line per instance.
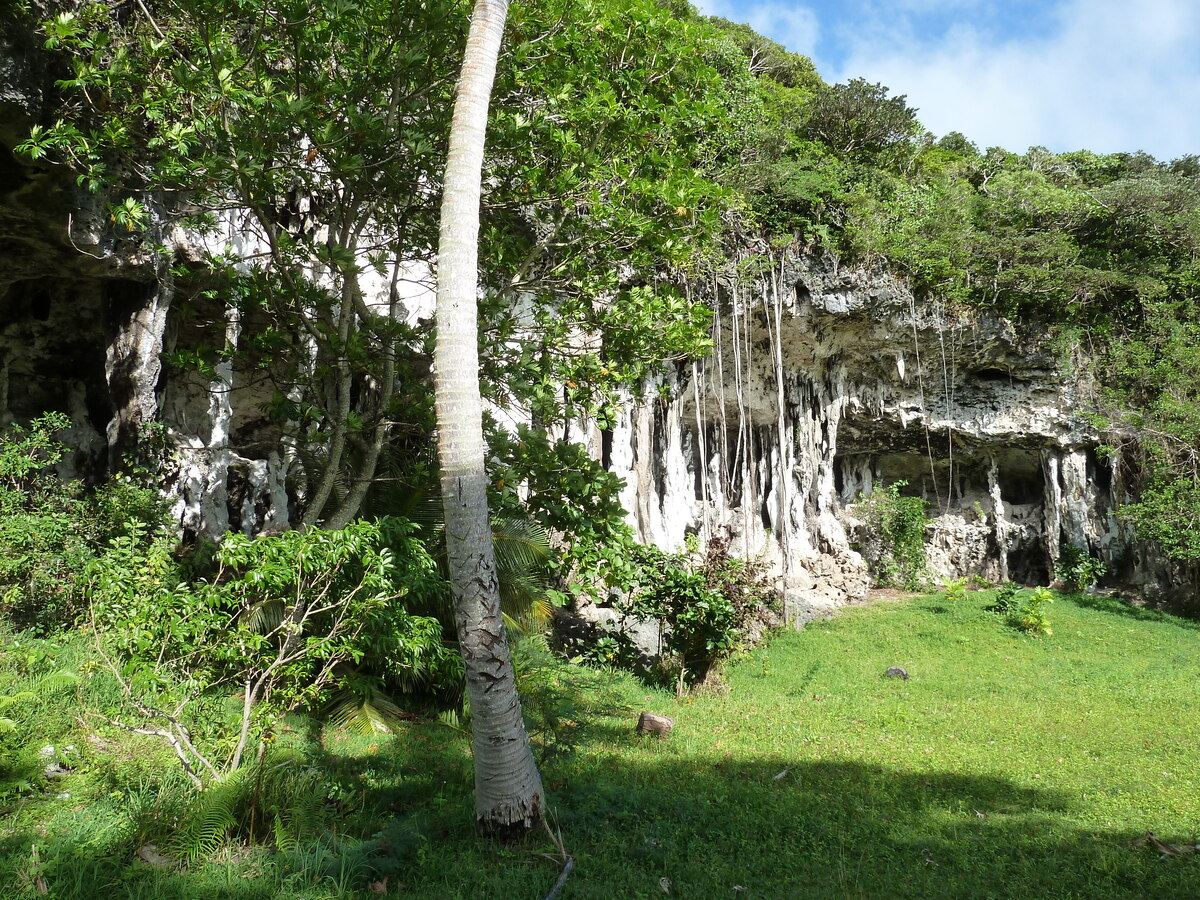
(649, 723)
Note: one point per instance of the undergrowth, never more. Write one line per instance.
(893, 536)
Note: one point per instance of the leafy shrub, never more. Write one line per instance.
(571, 496)
(1077, 569)
(956, 589)
(609, 645)
(1007, 599)
(547, 698)
(703, 606)
(277, 801)
(1030, 616)
(860, 121)
(895, 536)
(51, 530)
(279, 618)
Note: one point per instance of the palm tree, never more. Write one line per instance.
(508, 788)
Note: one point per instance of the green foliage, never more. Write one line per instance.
(607, 194)
(1077, 569)
(24, 704)
(360, 705)
(31, 690)
(277, 801)
(630, 144)
(955, 589)
(213, 105)
(552, 717)
(702, 623)
(279, 617)
(1007, 599)
(1030, 616)
(703, 605)
(767, 59)
(603, 173)
(1023, 610)
(895, 536)
(50, 531)
(610, 645)
(205, 820)
(568, 494)
(1168, 513)
(858, 120)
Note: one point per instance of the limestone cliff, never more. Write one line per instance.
(823, 384)
(981, 419)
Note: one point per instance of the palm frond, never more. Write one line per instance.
(266, 615)
(363, 711)
(522, 545)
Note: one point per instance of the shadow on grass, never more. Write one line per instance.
(714, 827)
(1120, 607)
(76, 867)
(634, 811)
(840, 828)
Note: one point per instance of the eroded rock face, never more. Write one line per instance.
(979, 419)
(85, 317)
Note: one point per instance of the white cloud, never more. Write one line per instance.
(794, 26)
(1110, 76)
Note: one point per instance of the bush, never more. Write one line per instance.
(1030, 616)
(1078, 570)
(956, 589)
(895, 541)
(281, 618)
(50, 530)
(1007, 599)
(704, 606)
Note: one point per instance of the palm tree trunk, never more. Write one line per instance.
(508, 789)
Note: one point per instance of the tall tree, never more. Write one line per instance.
(508, 789)
(216, 115)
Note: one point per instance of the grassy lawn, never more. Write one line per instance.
(1005, 766)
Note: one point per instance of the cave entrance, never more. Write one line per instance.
(1028, 565)
(1019, 471)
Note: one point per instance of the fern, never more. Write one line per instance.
(7, 724)
(209, 819)
(284, 798)
(299, 807)
(53, 681)
(284, 838)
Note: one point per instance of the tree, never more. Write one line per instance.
(859, 120)
(216, 115)
(508, 788)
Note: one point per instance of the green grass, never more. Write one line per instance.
(1006, 766)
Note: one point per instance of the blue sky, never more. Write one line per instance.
(1105, 75)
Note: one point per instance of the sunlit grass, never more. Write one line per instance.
(1005, 766)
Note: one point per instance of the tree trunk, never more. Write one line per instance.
(508, 789)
